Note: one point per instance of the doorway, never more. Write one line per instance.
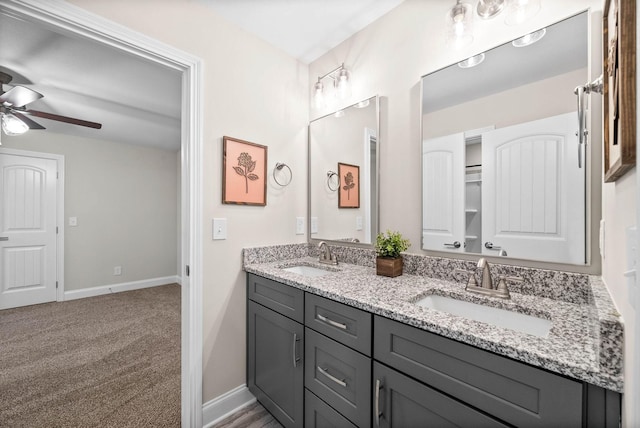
(73, 20)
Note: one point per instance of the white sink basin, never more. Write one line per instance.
(305, 270)
(499, 317)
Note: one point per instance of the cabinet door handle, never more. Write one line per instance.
(340, 382)
(331, 322)
(456, 244)
(379, 386)
(293, 351)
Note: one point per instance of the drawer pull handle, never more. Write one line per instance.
(331, 322)
(340, 382)
(293, 351)
(379, 386)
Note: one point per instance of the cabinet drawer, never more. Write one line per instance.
(347, 325)
(318, 414)
(338, 375)
(517, 393)
(400, 401)
(280, 297)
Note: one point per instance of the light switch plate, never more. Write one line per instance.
(314, 225)
(299, 225)
(601, 238)
(632, 264)
(219, 228)
(73, 221)
(359, 222)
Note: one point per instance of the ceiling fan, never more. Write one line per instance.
(14, 113)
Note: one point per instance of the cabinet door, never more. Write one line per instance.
(401, 402)
(275, 369)
(318, 414)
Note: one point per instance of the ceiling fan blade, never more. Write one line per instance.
(19, 96)
(65, 119)
(32, 124)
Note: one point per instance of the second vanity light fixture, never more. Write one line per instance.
(341, 82)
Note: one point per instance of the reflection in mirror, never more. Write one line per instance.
(499, 151)
(343, 174)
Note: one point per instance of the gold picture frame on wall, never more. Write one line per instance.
(619, 87)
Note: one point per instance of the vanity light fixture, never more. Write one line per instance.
(341, 82)
(488, 9)
(472, 61)
(12, 126)
(459, 21)
(529, 39)
(519, 11)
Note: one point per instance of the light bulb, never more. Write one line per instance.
(318, 95)
(529, 39)
(519, 11)
(342, 84)
(471, 61)
(11, 125)
(460, 25)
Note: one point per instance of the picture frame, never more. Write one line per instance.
(244, 172)
(349, 191)
(619, 87)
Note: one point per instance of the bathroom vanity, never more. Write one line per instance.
(340, 346)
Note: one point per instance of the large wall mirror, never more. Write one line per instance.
(503, 173)
(343, 174)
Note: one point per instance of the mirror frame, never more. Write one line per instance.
(375, 196)
(593, 156)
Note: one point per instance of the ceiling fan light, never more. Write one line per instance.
(342, 84)
(529, 39)
(12, 126)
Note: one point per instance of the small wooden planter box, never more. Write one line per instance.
(389, 266)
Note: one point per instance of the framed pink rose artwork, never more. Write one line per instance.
(349, 191)
(244, 172)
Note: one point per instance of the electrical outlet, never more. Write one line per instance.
(314, 225)
(73, 221)
(117, 270)
(299, 225)
(359, 222)
(601, 238)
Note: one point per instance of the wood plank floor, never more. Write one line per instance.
(252, 416)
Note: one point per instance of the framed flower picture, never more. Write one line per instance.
(349, 191)
(244, 172)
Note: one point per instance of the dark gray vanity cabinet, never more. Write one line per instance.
(275, 348)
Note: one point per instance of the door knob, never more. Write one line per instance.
(4, 238)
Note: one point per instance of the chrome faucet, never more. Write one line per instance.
(325, 254)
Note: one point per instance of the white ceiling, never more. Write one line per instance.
(138, 102)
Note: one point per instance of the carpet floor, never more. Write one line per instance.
(106, 361)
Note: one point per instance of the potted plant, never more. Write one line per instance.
(388, 248)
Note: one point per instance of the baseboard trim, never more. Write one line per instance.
(228, 403)
(117, 288)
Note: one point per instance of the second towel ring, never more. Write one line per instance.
(279, 167)
(330, 175)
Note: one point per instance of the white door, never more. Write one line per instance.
(533, 193)
(443, 193)
(28, 230)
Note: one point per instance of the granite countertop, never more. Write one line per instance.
(585, 340)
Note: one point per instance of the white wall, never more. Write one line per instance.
(125, 200)
(389, 57)
(254, 92)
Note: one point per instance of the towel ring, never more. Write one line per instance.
(330, 175)
(279, 167)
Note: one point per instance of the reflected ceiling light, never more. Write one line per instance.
(459, 21)
(471, 61)
(12, 126)
(529, 39)
(519, 11)
(487, 9)
(363, 104)
(341, 82)
(339, 113)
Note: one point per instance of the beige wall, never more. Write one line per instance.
(390, 56)
(253, 92)
(125, 200)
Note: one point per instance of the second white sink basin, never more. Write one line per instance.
(305, 270)
(495, 316)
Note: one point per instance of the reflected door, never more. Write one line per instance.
(28, 230)
(533, 201)
(443, 194)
